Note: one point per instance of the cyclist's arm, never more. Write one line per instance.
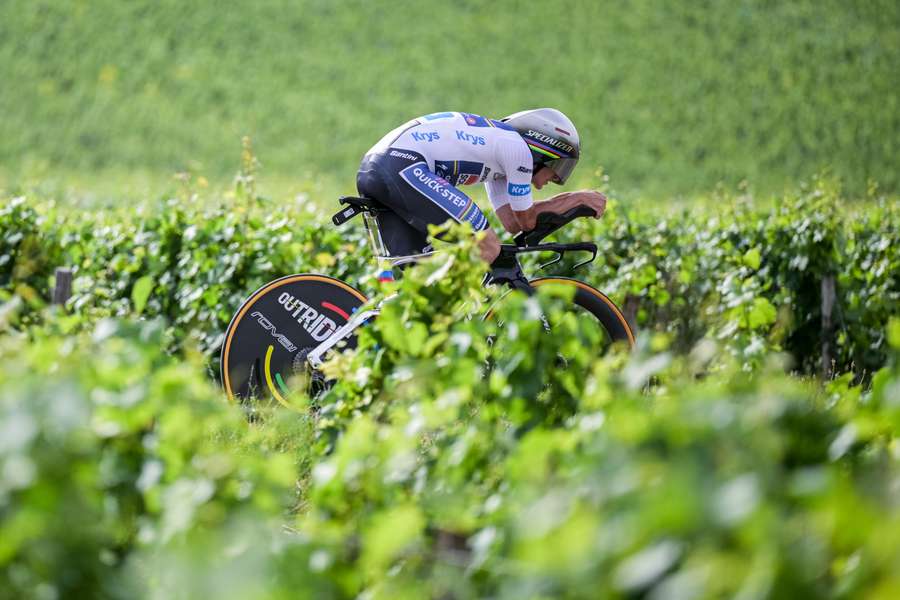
(511, 194)
(515, 221)
(507, 206)
(510, 191)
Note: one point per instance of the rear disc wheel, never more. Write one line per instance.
(266, 344)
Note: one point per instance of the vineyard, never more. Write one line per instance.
(474, 444)
(747, 446)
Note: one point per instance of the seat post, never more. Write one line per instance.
(374, 232)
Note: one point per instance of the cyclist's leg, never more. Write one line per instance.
(417, 194)
(400, 238)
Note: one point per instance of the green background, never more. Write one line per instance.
(710, 462)
(670, 98)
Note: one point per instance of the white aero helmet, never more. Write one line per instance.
(552, 138)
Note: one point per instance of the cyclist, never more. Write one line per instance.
(415, 169)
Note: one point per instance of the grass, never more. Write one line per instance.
(670, 99)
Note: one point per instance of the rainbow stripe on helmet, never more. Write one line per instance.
(546, 150)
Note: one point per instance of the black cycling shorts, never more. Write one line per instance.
(402, 181)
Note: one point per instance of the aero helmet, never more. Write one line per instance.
(551, 137)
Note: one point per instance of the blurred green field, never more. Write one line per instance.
(670, 99)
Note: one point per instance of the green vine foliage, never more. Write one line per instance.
(109, 445)
(753, 277)
(463, 452)
(454, 458)
(747, 275)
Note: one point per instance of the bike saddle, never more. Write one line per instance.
(362, 202)
(356, 205)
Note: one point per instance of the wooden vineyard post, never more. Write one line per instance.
(828, 298)
(62, 290)
(630, 309)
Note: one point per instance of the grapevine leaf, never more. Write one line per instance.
(140, 293)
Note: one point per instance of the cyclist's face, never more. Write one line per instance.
(540, 178)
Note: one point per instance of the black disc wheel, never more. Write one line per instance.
(596, 303)
(269, 337)
(580, 324)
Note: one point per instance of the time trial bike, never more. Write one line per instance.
(287, 327)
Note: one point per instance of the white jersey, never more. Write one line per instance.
(465, 149)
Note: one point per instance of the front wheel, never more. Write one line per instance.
(595, 303)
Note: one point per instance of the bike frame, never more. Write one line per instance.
(505, 270)
(315, 356)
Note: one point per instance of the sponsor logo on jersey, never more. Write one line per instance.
(268, 326)
(425, 136)
(434, 186)
(523, 170)
(516, 189)
(438, 190)
(475, 140)
(405, 155)
(552, 142)
(316, 324)
(484, 175)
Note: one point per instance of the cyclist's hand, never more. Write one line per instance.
(594, 200)
(489, 246)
